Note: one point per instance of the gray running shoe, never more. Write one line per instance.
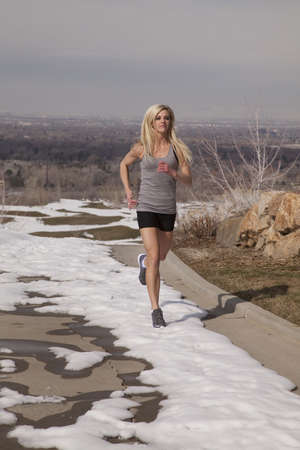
(142, 274)
(158, 318)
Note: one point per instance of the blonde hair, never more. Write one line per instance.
(183, 153)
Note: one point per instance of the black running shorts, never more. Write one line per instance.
(164, 222)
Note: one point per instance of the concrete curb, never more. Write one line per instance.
(232, 304)
(272, 341)
(209, 296)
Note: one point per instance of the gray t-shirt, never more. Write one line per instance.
(157, 189)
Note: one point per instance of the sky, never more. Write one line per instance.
(216, 396)
(114, 58)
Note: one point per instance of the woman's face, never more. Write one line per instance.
(162, 122)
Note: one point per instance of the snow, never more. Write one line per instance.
(28, 224)
(106, 418)
(78, 360)
(5, 350)
(9, 398)
(7, 365)
(217, 396)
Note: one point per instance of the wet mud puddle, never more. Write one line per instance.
(29, 366)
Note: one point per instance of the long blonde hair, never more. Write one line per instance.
(183, 153)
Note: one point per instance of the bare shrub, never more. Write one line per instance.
(112, 192)
(240, 178)
(197, 225)
(202, 227)
(33, 197)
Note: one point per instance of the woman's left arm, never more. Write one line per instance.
(184, 174)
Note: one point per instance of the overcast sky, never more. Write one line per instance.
(206, 58)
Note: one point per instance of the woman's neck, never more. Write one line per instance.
(160, 141)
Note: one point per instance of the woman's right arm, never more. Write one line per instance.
(134, 154)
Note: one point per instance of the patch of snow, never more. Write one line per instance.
(217, 396)
(78, 360)
(7, 365)
(9, 398)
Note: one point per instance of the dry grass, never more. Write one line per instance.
(273, 285)
(29, 196)
(44, 184)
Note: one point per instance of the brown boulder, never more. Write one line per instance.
(287, 218)
(252, 225)
(271, 225)
(274, 204)
(228, 231)
(267, 202)
(271, 235)
(250, 222)
(288, 246)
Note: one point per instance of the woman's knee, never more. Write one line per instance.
(165, 242)
(163, 255)
(152, 260)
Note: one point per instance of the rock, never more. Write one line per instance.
(228, 231)
(287, 247)
(250, 222)
(288, 214)
(271, 225)
(251, 242)
(274, 204)
(265, 202)
(271, 235)
(260, 242)
(269, 249)
(264, 223)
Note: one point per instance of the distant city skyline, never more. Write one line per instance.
(208, 60)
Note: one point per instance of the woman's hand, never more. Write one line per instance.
(163, 167)
(183, 174)
(130, 200)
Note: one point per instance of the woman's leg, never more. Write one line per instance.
(165, 241)
(157, 244)
(151, 242)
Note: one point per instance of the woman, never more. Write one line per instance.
(165, 159)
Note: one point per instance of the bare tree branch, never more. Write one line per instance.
(241, 179)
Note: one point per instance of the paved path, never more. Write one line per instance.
(271, 340)
(29, 335)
